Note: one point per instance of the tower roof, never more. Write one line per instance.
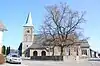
(29, 21)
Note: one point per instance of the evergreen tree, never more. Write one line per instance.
(3, 49)
(20, 49)
(8, 50)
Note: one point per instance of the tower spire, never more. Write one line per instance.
(29, 20)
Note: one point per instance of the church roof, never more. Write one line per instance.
(36, 46)
(29, 21)
(84, 44)
(2, 27)
(37, 43)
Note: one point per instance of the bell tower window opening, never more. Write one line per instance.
(28, 31)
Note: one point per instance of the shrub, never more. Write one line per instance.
(2, 59)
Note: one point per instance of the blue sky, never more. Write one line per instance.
(13, 14)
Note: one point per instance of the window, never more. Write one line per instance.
(76, 50)
(15, 56)
(28, 31)
(69, 52)
(84, 52)
(27, 45)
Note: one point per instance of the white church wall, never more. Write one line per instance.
(88, 52)
(50, 53)
(97, 55)
(66, 51)
(57, 51)
(92, 54)
(1, 37)
(79, 51)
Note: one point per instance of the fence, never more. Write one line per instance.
(55, 58)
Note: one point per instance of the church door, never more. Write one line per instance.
(35, 53)
(43, 53)
(27, 53)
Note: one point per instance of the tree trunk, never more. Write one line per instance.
(61, 54)
(53, 51)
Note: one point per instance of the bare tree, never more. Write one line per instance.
(62, 25)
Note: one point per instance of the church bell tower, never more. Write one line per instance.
(27, 34)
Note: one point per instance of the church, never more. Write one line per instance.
(32, 44)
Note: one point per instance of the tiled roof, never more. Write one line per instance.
(84, 44)
(38, 42)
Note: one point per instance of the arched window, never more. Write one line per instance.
(35, 53)
(77, 52)
(43, 53)
(69, 51)
(84, 52)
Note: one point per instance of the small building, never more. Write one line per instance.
(32, 44)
